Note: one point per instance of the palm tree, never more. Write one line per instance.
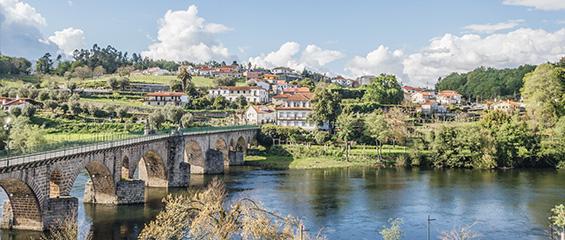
(184, 77)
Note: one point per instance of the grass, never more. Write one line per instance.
(289, 162)
(99, 101)
(100, 82)
(314, 156)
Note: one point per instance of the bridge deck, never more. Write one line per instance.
(45, 155)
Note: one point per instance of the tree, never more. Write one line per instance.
(557, 219)
(399, 129)
(544, 95)
(378, 129)
(175, 85)
(240, 102)
(220, 102)
(350, 126)
(72, 86)
(83, 72)
(210, 214)
(113, 83)
(98, 71)
(75, 108)
(185, 77)
(326, 107)
(124, 83)
(25, 137)
(384, 89)
(186, 120)
(156, 119)
(16, 112)
(486, 83)
(29, 111)
(124, 71)
(122, 112)
(394, 232)
(173, 113)
(44, 65)
(224, 81)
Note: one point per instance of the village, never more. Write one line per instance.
(277, 96)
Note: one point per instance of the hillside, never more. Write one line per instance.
(486, 83)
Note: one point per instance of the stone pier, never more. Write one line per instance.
(130, 191)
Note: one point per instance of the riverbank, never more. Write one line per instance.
(315, 156)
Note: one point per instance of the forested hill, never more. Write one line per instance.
(486, 83)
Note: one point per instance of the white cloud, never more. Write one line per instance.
(538, 4)
(20, 31)
(18, 12)
(380, 60)
(183, 35)
(451, 53)
(495, 27)
(289, 55)
(68, 40)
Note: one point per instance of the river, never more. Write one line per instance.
(355, 203)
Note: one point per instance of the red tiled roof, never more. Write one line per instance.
(282, 96)
(15, 102)
(296, 90)
(448, 93)
(296, 97)
(409, 88)
(294, 108)
(263, 109)
(239, 88)
(165, 94)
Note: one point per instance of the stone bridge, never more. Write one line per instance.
(38, 186)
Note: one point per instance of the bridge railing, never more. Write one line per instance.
(107, 142)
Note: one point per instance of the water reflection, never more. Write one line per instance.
(354, 203)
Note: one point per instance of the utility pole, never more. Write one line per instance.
(429, 221)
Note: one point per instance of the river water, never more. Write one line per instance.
(355, 203)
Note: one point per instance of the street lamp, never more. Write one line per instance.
(429, 221)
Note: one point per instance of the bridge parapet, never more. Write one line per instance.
(118, 171)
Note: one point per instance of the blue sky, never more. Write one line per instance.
(342, 33)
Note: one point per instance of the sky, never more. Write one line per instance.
(418, 41)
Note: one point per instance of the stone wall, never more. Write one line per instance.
(60, 211)
(130, 191)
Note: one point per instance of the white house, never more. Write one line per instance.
(449, 97)
(156, 71)
(282, 70)
(165, 98)
(293, 110)
(508, 106)
(260, 114)
(422, 96)
(365, 80)
(252, 94)
(9, 103)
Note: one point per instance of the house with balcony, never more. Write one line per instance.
(165, 98)
(253, 94)
(294, 110)
(260, 114)
(449, 97)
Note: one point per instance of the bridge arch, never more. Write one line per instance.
(241, 145)
(194, 156)
(222, 147)
(101, 187)
(152, 169)
(24, 209)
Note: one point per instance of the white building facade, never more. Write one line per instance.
(254, 94)
(165, 98)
